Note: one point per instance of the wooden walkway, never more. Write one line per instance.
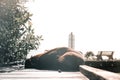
(33, 74)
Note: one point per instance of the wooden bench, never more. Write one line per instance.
(98, 74)
(109, 54)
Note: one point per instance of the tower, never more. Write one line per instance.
(71, 41)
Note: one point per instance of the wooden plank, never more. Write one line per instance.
(98, 74)
(33, 74)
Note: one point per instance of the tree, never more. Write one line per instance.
(89, 55)
(17, 36)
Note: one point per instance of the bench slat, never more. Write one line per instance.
(98, 73)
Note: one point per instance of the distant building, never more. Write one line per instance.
(71, 41)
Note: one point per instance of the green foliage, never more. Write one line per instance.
(89, 54)
(16, 33)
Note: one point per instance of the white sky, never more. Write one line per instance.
(95, 24)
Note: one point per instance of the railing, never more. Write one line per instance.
(17, 64)
(98, 74)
